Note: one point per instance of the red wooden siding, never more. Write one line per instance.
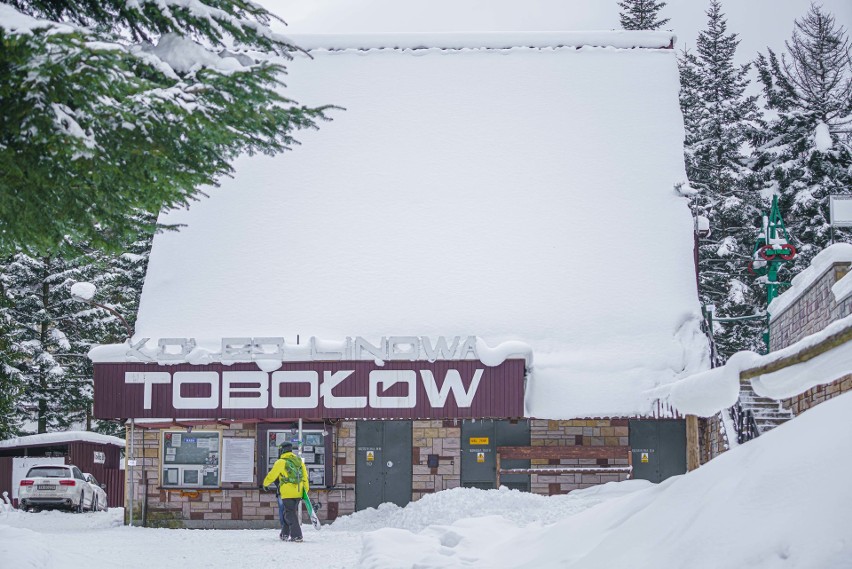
(82, 455)
(500, 392)
(6, 475)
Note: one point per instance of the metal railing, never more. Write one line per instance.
(744, 423)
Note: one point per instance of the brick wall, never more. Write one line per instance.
(819, 394)
(435, 437)
(712, 437)
(232, 505)
(591, 432)
(243, 505)
(815, 308)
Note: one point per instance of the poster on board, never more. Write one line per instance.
(237, 460)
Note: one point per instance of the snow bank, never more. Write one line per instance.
(837, 253)
(450, 506)
(28, 551)
(771, 503)
(58, 520)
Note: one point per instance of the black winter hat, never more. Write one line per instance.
(285, 447)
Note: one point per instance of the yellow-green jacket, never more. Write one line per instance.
(287, 489)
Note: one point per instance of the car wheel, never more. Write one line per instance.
(78, 509)
(94, 503)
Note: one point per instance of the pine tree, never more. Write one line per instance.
(47, 339)
(805, 153)
(717, 116)
(10, 383)
(641, 14)
(130, 106)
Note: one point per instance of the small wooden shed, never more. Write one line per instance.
(96, 454)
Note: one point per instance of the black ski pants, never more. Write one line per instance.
(290, 521)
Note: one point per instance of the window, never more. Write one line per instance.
(48, 472)
(191, 459)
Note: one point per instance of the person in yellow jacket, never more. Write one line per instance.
(291, 476)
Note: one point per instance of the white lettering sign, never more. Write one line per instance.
(280, 378)
(387, 378)
(332, 380)
(182, 378)
(257, 397)
(453, 382)
(254, 390)
(404, 348)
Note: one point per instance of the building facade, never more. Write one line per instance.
(432, 291)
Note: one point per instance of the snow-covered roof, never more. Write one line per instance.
(520, 194)
(624, 39)
(61, 437)
(836, 253)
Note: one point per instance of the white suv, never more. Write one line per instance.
(55, 486)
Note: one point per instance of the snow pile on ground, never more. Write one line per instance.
(448, 507)
(23, 545)
(778, 501)
(62, 540)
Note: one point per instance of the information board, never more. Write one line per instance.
(191, 458)
(312, 452)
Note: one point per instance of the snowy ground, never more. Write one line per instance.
(780, 501)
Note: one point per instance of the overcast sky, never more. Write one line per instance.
(759, 23)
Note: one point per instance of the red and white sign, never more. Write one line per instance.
(348, 389)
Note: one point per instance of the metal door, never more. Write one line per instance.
(479, 443)
(659, 449)
(382, 463)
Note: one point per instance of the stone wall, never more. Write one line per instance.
(591, 432)
(232, 505)
(442, 438)
(713, 439)
(244, 505)
(819, 394)
(815, 308)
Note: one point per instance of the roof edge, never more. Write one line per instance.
(620, 39)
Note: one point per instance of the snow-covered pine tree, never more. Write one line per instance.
(641, 14)
(130, 106)
(48, 338)
(120, 287)
(10, 381)
(805, 153)
(717, 114)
